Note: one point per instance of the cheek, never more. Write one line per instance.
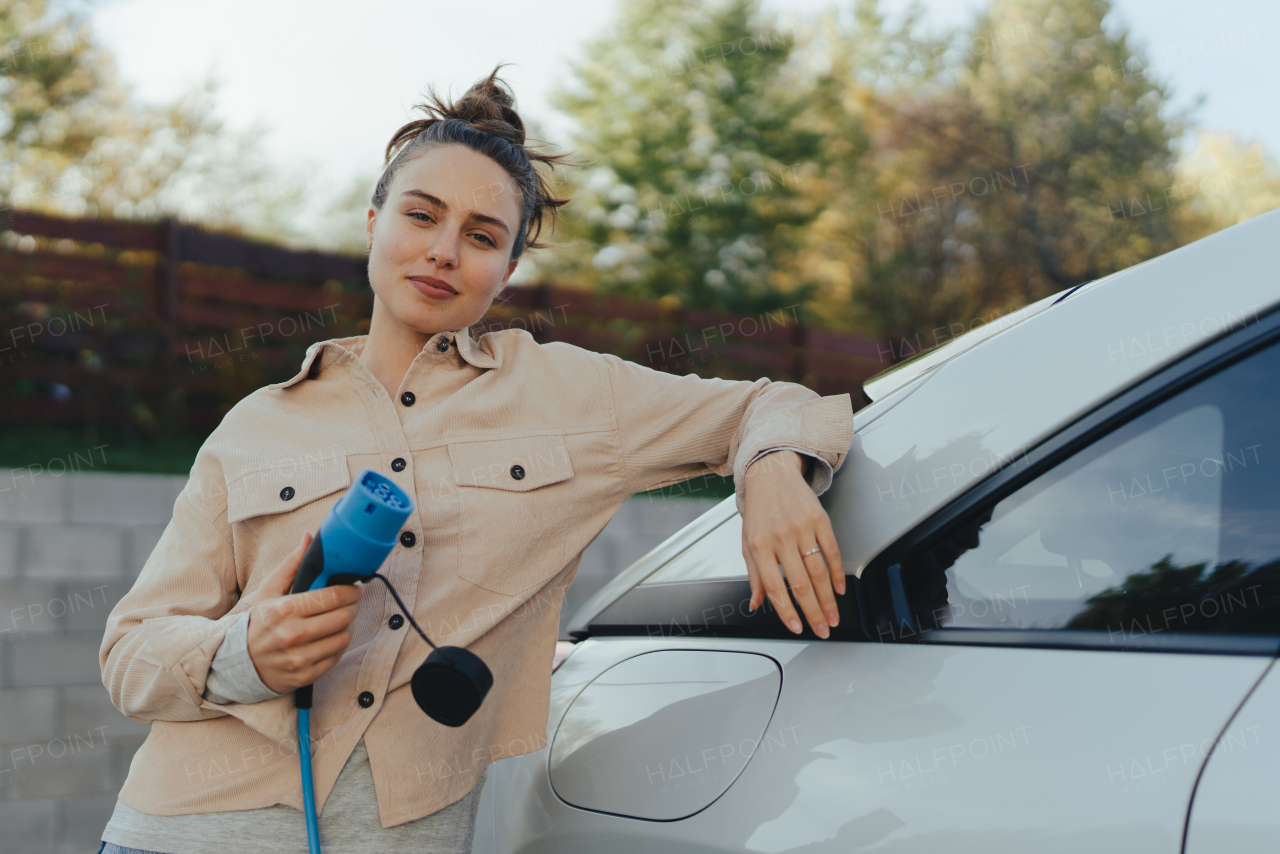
(388, 254)
(487, 271)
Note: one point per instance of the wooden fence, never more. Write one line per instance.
(163, 327)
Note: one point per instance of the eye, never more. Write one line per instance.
(426, 217)
(484, 237)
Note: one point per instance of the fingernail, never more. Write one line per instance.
(840, 587)
(822, 631)
(833, 619)
(795, 626)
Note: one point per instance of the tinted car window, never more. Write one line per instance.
(1170, 524)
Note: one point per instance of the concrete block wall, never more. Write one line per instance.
(70, 548)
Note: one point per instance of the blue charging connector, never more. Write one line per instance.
(353, 541)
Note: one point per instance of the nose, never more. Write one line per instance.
(443, 249)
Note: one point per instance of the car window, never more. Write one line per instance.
(1169, 524)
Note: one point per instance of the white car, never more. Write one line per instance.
(1062, 536)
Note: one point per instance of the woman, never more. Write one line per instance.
(516, 454)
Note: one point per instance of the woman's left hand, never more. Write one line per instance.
(782, 520)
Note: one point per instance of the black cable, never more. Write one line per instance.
(404, 610)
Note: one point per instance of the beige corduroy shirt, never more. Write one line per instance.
(486, 568)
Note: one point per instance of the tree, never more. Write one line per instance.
(1033, 169)
(693, 117)
(1222, 181)
(72, 141)
(868, 71)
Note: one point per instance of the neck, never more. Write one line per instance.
(391, 347)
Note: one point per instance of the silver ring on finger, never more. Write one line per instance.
(813, 550)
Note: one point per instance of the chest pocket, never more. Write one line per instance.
(283, 489)
(516, 508)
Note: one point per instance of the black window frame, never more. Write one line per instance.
(880, 592)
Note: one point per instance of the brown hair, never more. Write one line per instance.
(484, 119)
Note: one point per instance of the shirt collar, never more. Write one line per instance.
(470, 350)
(322, 354)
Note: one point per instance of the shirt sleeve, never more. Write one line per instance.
(233, 678)
(161, 637)
(672, 428)
(819, 477)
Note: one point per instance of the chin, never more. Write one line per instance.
(428, 319)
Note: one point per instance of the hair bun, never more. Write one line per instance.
(489, 107)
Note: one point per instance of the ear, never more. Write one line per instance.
(511, 268)
(368, 229)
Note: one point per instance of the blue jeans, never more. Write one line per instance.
(112, 848)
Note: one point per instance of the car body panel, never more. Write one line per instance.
(663, 553)
(1235, 808)
(917, 749)
(891, 380)
(663, 734)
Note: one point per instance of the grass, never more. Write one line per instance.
(58, 450)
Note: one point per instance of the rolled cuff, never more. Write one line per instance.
(821, 428)
(819, 477)
(233, 678)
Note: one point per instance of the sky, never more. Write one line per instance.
(329, 87)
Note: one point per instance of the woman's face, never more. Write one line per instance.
(440, 248)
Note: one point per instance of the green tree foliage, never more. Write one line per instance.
(1029, 172)
(868, 70)
(73, 142)
(931, 181)
(696, 121)
(1221, 181)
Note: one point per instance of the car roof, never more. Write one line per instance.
(955, 415)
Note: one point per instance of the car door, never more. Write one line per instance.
(1234, 807)
(1041, 666)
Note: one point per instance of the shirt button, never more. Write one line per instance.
(286, 493)
(365, 699)
(442, 345)
(407, 539)
(517, 471)
(397, 464)
(407, 398)
(395, 622)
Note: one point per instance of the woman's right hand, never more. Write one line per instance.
(294, 638)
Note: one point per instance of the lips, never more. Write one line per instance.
(432, 287)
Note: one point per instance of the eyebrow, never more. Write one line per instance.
(478, 217)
